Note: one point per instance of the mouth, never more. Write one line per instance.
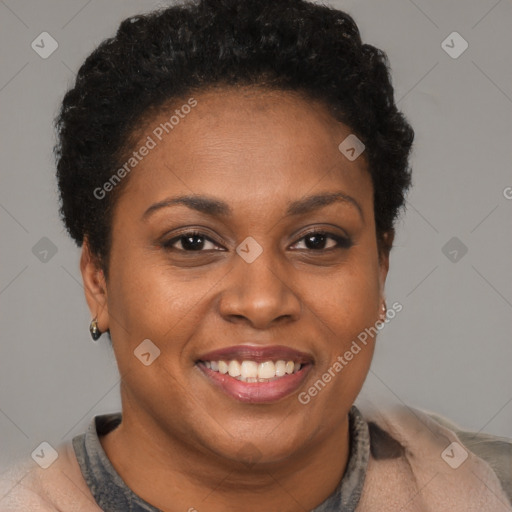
(256, 374)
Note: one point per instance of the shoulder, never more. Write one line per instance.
(14, 493)
(495, 450)
(471, 469)
(60, 486)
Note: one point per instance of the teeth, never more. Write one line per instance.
(234, 369)
(251, 371)
(266, 370)
(223, 367)
(280, 368)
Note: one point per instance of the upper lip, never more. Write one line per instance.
(257, 353)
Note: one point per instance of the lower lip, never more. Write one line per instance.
(257, 392)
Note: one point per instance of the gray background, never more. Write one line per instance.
(449, 349)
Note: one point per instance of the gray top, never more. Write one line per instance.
(113, 495)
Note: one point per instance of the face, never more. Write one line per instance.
(272, 263)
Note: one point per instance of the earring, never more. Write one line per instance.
(384, 311)
(94, 329)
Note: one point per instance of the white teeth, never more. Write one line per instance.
(223, 367)
(251, 371)
(234, 369)
(280, 368)
(266, 370)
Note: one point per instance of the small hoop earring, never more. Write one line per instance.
(94, 329)
(384, 311)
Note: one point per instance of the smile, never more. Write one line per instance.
(256, 374)
(251, 371)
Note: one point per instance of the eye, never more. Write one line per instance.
(324, 241)
(195, 241)
(191, 241)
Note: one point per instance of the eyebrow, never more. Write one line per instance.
(218, 208)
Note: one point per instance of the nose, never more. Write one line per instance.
(260, 294)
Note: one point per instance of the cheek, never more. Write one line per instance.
(346, 301)
(346, 307)
(153, 300)
(346, 311)
(143, 299)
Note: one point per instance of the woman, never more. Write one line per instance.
(232, 171)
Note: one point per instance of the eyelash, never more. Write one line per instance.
(341, 241)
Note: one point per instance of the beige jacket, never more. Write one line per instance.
(428, 466)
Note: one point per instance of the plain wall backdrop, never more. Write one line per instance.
(449, 350)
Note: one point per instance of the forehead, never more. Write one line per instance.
(242, 144)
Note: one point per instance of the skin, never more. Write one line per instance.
(182, 443)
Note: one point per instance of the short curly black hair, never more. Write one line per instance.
(167, 53)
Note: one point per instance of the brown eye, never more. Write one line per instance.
(193, 241)
(323, 241)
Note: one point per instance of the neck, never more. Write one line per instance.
(172, 476)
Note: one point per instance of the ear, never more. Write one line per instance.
(95, 286)
(385, 245)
